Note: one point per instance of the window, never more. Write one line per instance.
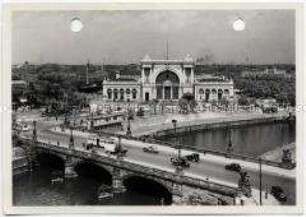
(134, 93)
(220, 93)
(109, 93)
(115, 94)
(121, 94)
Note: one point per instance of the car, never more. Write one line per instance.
(278, 193)
(23, 127)
(233, 167)
(195, 157)
(150, 149)
(180, 162)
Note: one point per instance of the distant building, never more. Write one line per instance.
(166, 80)
(267, 71)
(19, 87)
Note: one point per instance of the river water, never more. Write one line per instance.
(252, 140)
(35, 188)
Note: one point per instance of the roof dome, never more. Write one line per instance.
(147, 57)
(188, 58)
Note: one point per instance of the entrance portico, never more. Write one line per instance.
(167, 79)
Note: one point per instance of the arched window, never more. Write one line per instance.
(207, 93)
(109, 93)
(134, 93)
(115, 93)
(201, 91)
(128, 91)
(226, 91)
(121, 93)
(220, 93)
(213, 91)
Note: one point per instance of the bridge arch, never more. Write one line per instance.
(160, 191)
(94, 171)
(51, 160)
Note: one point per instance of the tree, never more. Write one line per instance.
(213, 102)
(154, 103)
(224, 102)
(187, 103)
(140, 112)
(243, 100)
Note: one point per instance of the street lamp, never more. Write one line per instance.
(174, 122)
(71, 142)
(260, 182)
(34, 131)
(129, 117)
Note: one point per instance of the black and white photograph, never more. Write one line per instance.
(154, 107)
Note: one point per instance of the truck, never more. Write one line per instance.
(111, 146)
(91, 141)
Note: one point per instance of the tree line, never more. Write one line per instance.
(268, 86)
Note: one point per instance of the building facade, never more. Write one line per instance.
(167, 80)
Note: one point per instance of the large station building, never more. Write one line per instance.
(167, 80)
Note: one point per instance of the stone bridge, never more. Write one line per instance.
(178, 184)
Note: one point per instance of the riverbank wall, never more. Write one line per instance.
(186, 128)
(277, 153)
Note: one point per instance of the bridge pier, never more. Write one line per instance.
(117, 182)
(69, 168)
(177, 194)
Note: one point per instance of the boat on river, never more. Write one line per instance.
(105, 192)
(57, 178)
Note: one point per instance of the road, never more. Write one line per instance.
(204, 168)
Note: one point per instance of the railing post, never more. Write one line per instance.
(34, 131)
(71, 142)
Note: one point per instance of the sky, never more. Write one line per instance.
(123, 37)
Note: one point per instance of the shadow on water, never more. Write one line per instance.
(94, 172)
(51, 162)
(153, 192)
(36, 189)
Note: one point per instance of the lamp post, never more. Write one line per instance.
(229, 149)
(260, 183)
(71, 142)
(174, 122)
(129, 117)
(34, 131)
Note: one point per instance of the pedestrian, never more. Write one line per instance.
(267, 193)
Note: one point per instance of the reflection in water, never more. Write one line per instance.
(35, 189)
(252, 140)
